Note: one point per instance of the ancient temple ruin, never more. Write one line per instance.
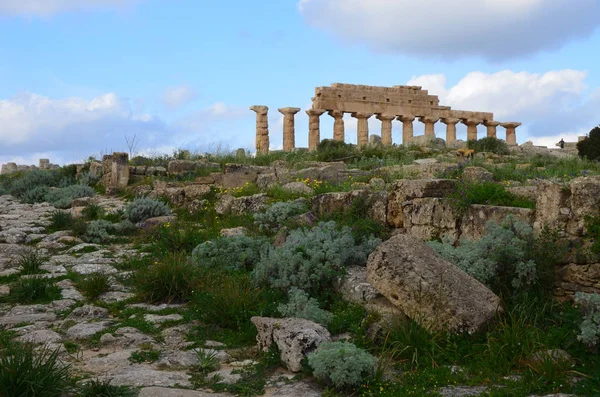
(403, 103)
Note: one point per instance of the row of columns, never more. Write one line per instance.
(314, 134)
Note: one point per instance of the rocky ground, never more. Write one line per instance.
(96, 343)
(99, 339)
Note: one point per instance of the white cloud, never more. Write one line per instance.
(70, 128)
(46, 8)
(175, 97)
(549, 105)
(493, 29)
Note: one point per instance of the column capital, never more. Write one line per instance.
(387, 117)
(428, 119)
(361, 115)
(406, 119)
(335, 113)
(260, 109)
(315, 112)
(510, 124)
(491, 123)
(471, 122)
(449, 120)
(288, 110)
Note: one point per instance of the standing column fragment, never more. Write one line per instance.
(262, 128)
(450, 129)
(338, 125)
(386, 128)
(289, 129)
(362, 133)
(511, 133)
(407, 129)
(314, 128)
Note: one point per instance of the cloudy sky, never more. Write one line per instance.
(83, 77)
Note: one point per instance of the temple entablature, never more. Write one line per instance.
(403, 103)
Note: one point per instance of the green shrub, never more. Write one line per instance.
(230, 300)
(36, 195)
(312, 259)
(35, 179)
(92, 211)
(33, 290)
(93, 285)
(589, 147)
(300, 305)
(592, 225)
(277, 214)
(590, 327)
(60, 220)
(489, 193)
(341, 364)
(144, 356)
(330, 150)
(145, 208)
(125, 227)
(168, 280)
(503, 259)
(88, 179)
(29, 372)
(63, 197)
(98, 388)
(229, 253)
(30, 261)
(490, 145)
(98, 232)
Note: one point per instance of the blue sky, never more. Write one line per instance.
(79, 76)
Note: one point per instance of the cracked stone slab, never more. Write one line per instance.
(139, 376)
(86, 330)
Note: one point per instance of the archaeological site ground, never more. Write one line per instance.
(416, 266)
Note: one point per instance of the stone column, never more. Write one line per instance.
(44, 164)
(386, 128)
(119, 176)
(289, 129)
(491, 128)
(338, 125)
(314, 128)
(471, 128)
(511, 134)
(262, 128)
(429, 125)
(362, 137)
(450, 129)
(407, 129)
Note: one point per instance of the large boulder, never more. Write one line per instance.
(551, 209)
(429, 289)
(295, 338)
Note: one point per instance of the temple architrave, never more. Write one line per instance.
(403, 103)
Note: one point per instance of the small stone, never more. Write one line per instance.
(157, 319)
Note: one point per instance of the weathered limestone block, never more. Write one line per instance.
(551, 198)
(249, 204)
(44, 164)
(473, 223)
(295, 338)
(585, 200)
(237, 175)
(580, 278)
(355, 288)
(120, 170)
(529, 192)
(429, 289)
(477, 174)
(332, 172)
(9, 168)
(375, 203)
(428, 217)
(408, 189)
